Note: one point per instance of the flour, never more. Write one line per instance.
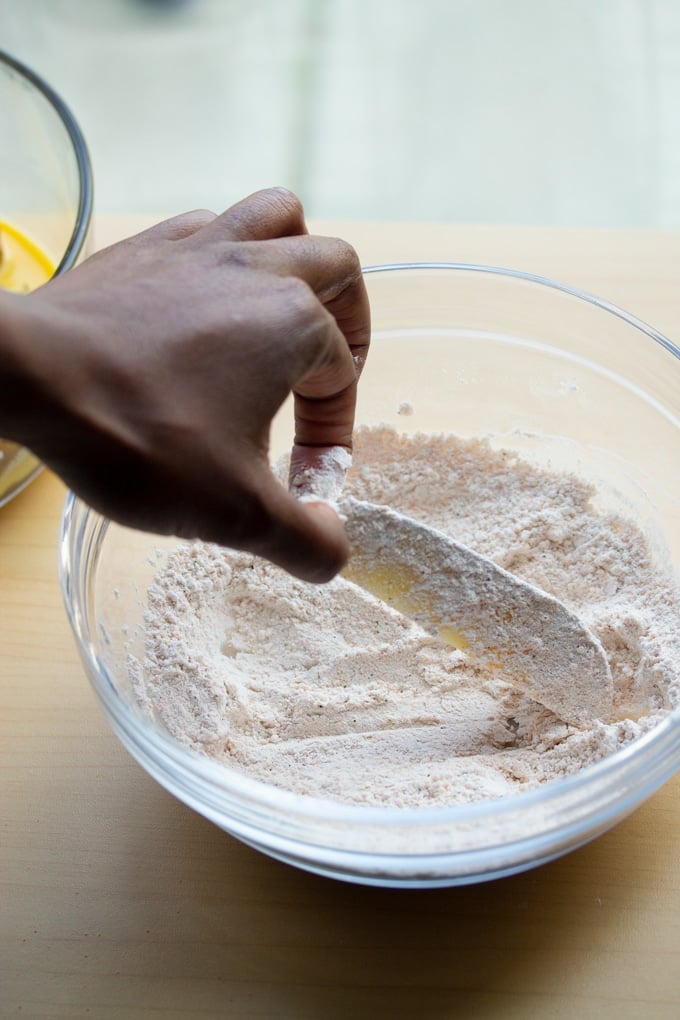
(502, 623)
(326, 480)
(324, 690)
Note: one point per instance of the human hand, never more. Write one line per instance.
(150, 374)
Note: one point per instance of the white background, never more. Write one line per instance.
(473, 111)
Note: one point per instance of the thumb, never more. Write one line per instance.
(305, 538)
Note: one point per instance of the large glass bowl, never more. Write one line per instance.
(45, 194)
(560, 376)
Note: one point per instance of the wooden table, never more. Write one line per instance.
(116, 901)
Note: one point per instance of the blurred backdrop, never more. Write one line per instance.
(476, 111)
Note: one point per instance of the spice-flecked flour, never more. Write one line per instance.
(324, 690)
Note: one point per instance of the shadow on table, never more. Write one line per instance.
(241, 935)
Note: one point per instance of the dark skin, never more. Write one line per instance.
(148, 377)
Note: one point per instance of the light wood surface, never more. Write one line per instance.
(116, 901)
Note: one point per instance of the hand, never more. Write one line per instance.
(155, 368)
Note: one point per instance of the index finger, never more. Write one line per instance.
(267, 232)
(264, 215)
(329, 265)
(269, 229)
(324, 419)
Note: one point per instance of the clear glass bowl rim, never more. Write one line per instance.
(83, 215)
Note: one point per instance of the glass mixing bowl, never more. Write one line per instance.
(557, 375)
(45, 201)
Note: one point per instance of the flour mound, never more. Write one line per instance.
(324, 690)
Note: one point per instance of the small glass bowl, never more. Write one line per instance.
(561, 377)
(45, 194)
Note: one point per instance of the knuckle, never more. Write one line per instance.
(188, 223)
(238, 255)
(303, 305)
(201, 215)
(347, 258)
(285, 200)
(310, 324)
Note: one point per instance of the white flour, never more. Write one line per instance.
(324, 690)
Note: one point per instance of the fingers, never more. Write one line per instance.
(324, 389)
(267, 232)
(308, 355)
(306, 539)
(178, 227)
(331, 267)
(318, 473)
(255, 514)
(325, 397)
(271, 234)
(324, 424)
(268, 214)
(328, 265)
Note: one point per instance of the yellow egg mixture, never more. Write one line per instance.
(23, 264)
(23, 267)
